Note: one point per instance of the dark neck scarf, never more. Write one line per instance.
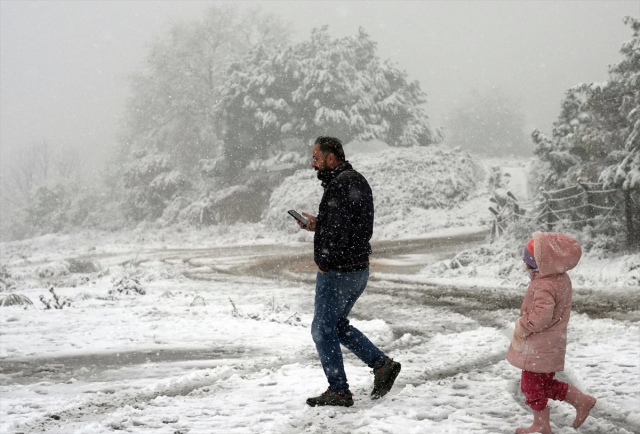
(328, 175)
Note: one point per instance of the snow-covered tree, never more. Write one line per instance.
(625, 172)
(41, 183)
(488, 123)
(171, 108)
(595, 135)
(322, 86)
(170, 125)
(151, 183)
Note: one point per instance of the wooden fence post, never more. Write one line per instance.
(633, 232)
(547, 208)
(495, 228)
(589, 207)
(516, 207)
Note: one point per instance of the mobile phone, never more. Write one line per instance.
(303, 220)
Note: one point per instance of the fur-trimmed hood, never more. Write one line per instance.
(555, 253)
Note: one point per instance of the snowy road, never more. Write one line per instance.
(242, 360)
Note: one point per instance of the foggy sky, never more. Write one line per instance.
(64, 65)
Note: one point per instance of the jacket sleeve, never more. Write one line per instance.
(337, 227)
(541, 316)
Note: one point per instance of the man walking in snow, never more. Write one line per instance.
(341, 248)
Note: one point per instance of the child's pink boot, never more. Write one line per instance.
(540, 424)
(582, 402)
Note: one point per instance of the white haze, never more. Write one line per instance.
(65, 64)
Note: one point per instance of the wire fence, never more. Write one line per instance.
(576, 206)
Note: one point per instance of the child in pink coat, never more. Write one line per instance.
(540, 337)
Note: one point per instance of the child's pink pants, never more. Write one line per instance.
(538, 387)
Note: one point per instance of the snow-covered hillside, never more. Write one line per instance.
(416, 191)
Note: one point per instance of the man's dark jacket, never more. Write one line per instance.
(344, 223)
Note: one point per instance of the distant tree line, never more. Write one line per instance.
(44, 189)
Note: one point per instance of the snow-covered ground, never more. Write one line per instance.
(230, 351)
(234, 354)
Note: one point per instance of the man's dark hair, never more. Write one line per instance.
(331, 145)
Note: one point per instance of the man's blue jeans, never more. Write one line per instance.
(336, 293)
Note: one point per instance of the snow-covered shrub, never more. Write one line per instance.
(83, 266)
(172, 211)
(59, 268)
(14, 300)
(198, 301)
(602, 243)
(207, 209)
(241, 203)
(56, 302)
(273, 313)
(152, 183)
(499, 263)
(6, 281)
(75, 281)
(209, 168)
(127, 285)
(46, 210)
(401, 180)
(64, 268)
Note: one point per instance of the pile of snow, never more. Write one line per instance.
(406, 184)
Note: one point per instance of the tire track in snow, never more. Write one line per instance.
(97, 406)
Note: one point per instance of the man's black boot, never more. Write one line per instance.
(331, 398)
(384, 378)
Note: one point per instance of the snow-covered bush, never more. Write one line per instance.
(57, 302)
(127, 285)
(151, 182)
(14, 300)
(207, 209)
(6, 280)
(60, 205)
(401, 179)
(47, 209)
(55, 269)
(198, 301)
(83, 266)
(273, 313)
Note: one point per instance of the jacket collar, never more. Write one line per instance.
(326, 176)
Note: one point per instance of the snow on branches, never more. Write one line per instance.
(597, 135)
(320, 86)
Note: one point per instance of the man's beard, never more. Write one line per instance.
(322, 173)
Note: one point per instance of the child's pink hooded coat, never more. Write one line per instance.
(540, 339)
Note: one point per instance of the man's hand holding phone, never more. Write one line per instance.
(305, 221)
